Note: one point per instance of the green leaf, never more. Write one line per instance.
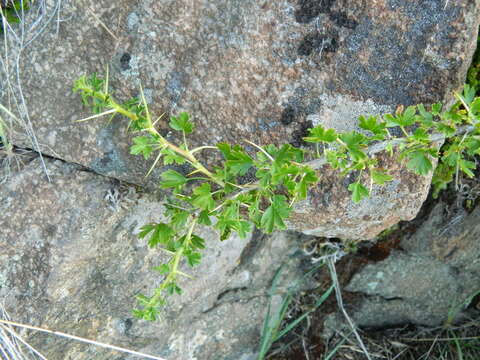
(238, 161)
(371, 124)
(358, 191)
(405, 119)
(353, 138)
(475, 106)
(273, 218)
(286, 154)
(426, 118)
(173, 288)
(356, 153)
(380, 177)
(335, 158)
(193, 258)
(240, 164)
(160, 234)
(446, 129)
(320, 134)
(421, 135)
(472, 143)
(408, 115)
(145, 230)
(264, 177)
(179, 218)
(468, 93)
(419, 162)
(181, 123)
(442, 176)
(467, 166)
(389, 148)
(304, 184)
(254, 213)
(162, 269)
(171, 157)
(197, 242)
(243, 228)
(202, 197)
(436, 108)
(227, 220)
(143, 145)
(204, 218)
(390, 120)
(172, 179)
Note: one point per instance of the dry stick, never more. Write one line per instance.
(442, 339)
(19, 338)
(73, 337)
(22, 43)
(102, 24)
(338, 295)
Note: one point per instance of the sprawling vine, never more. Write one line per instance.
(216, 195)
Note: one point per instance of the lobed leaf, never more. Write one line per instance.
(273, 218)
(358, 191)
(172, 179)
(181, 123)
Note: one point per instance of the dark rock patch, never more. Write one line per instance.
(310, 9)
(317, 42)
(125, 61)
(341, 19)
(300, 133)
(288, 115)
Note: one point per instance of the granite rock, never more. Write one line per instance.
(430, 280)
(70, 261)
(265, 71)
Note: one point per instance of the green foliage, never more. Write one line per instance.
(12, 10)
(283, 175)
(181, 123)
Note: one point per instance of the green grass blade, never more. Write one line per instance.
(336, 348)
(294, 323)
(457, 345)
(266, 337)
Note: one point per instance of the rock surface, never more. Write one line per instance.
(429, 280)
(258, 70)
(69, 261)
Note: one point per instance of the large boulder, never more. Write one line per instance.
(69, 261)
(430, 280)
(259, 70)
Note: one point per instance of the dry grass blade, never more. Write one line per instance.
(12, 345)
(15, 39)
(80, 339)
(333, 274)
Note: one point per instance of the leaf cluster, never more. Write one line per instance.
(421, 130)
(215, 197)
(219, 196)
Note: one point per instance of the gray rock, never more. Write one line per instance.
(430, 281)
(69, 261)
(258, 70)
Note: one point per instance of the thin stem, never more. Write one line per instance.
(175, 263)
(203, 148)
(261, 149)
(77, 338)
(341, 142)
(132, 116)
